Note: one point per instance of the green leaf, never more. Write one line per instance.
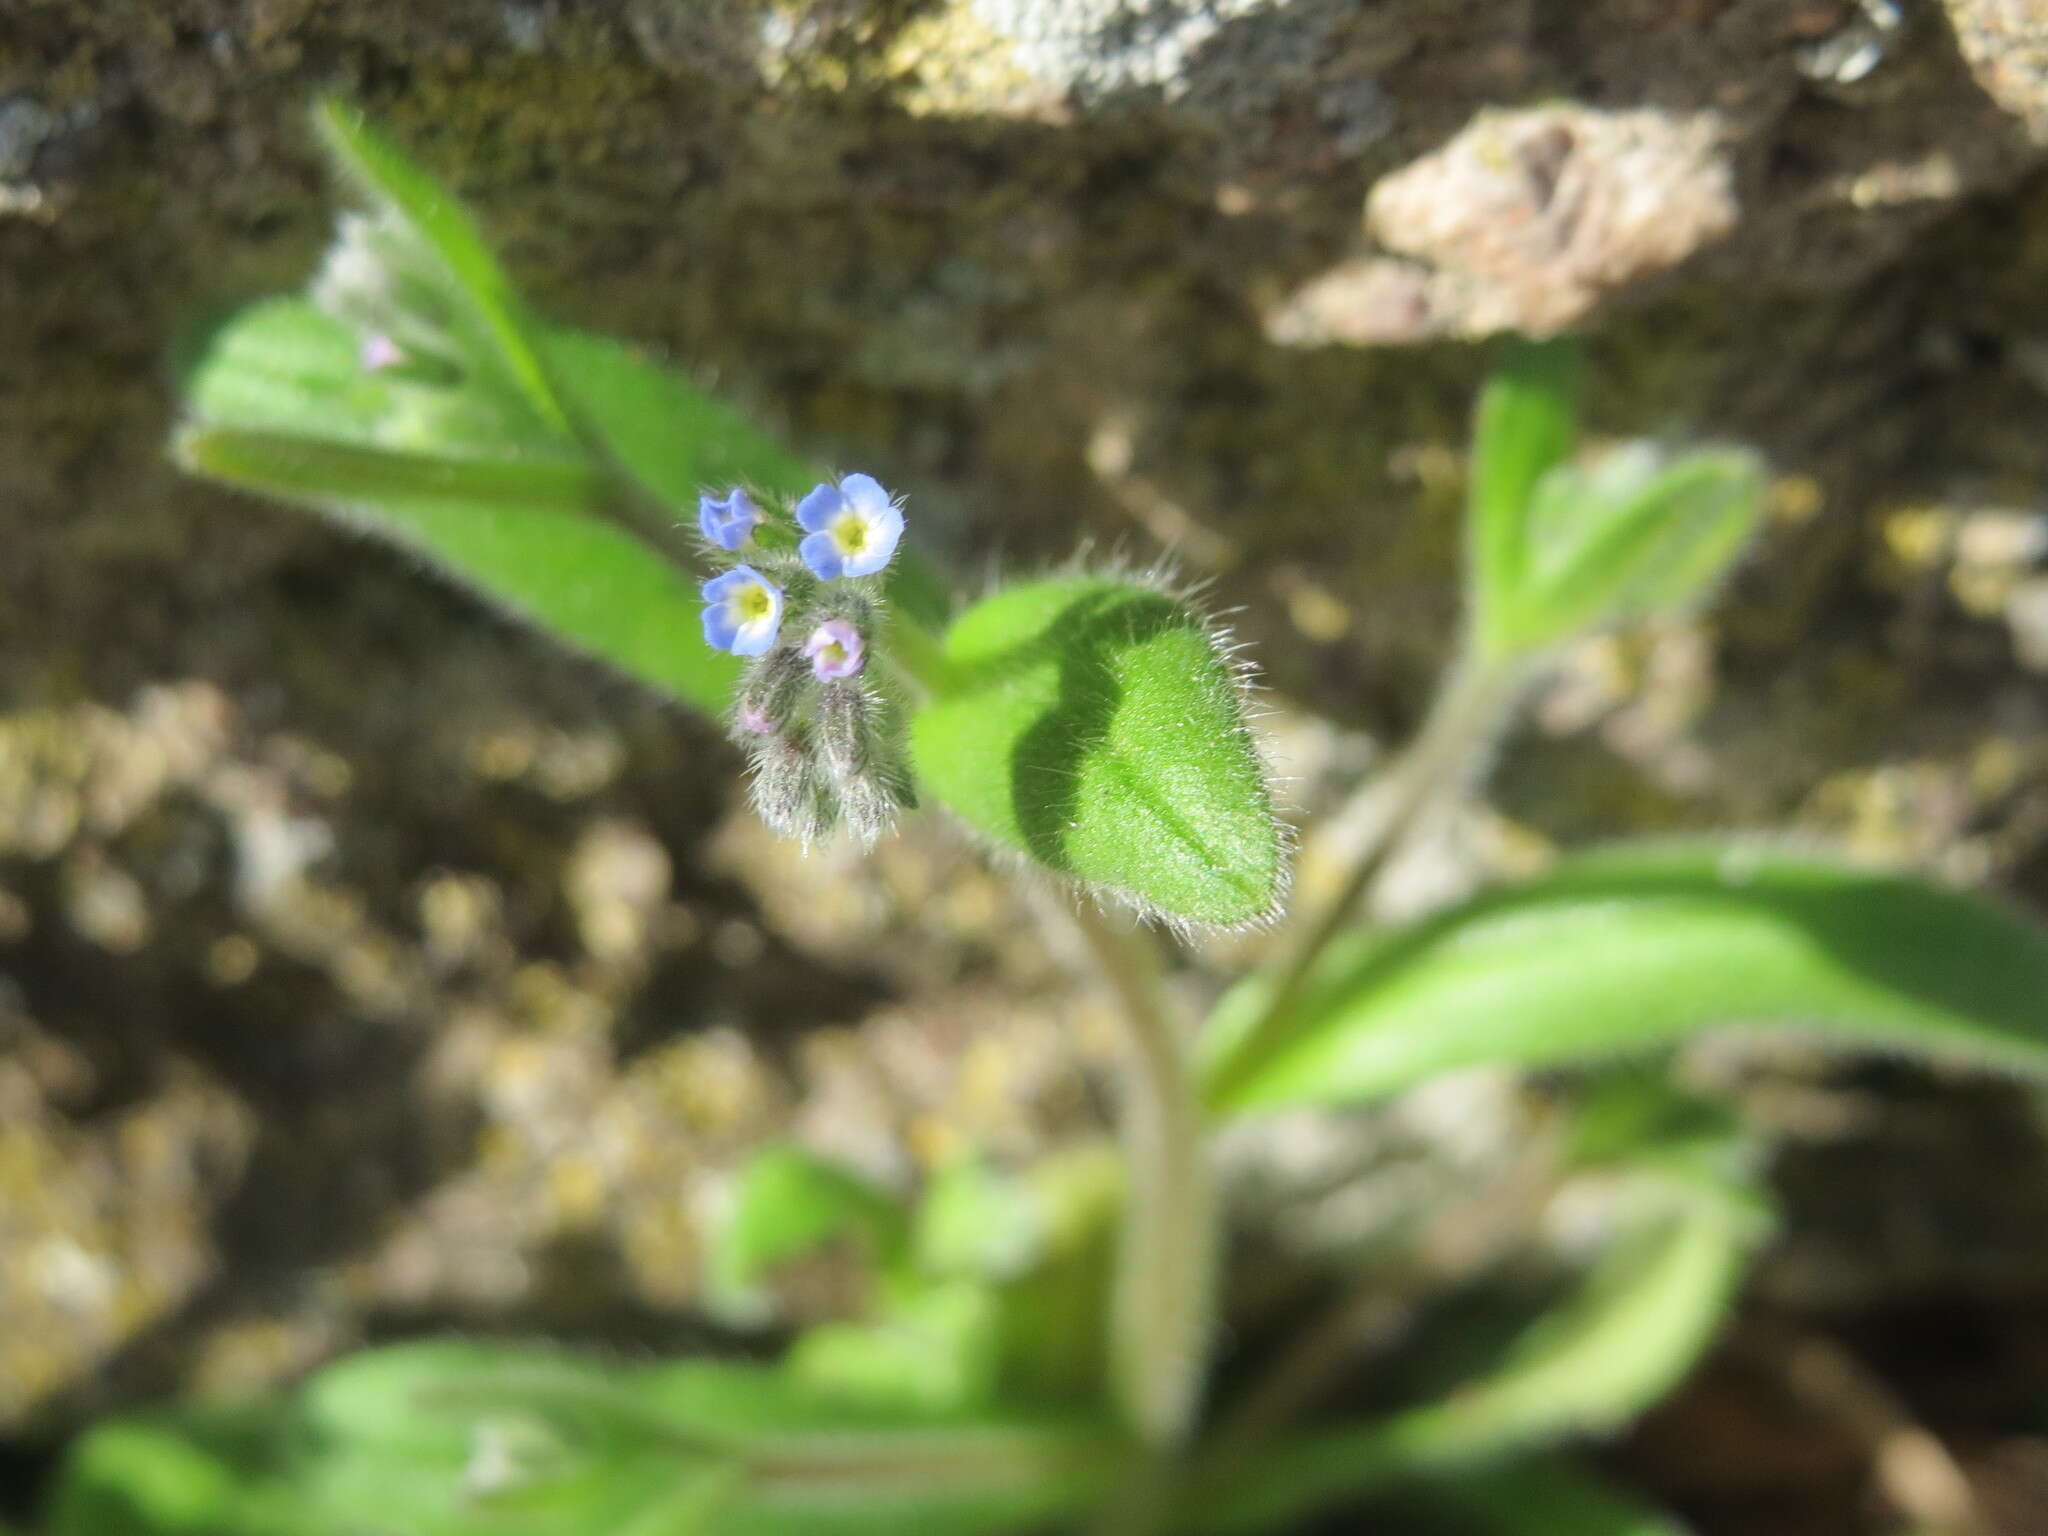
(1636, 532)
(818, 1465)
(310, 469)
(1055, 1315)
(1631, 1331)
(470, 1439)
(1633, 535)
(659, 428)
(977, 1222)
(936, 1346)
(788, 1204)
(471, 274)
(1094, 724)
(285, 366)
(1547, 1496)
(1638, 947)
(511, 532)
(1525, 426)
(192, 1473)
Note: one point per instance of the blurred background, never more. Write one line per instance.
(367, 966)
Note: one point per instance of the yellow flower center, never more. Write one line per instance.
(752, 603)
(850, 533)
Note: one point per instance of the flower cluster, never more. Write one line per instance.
(823, 740)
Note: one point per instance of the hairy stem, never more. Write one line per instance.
(1163, 1313)
(1443, 758)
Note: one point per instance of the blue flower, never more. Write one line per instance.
(742, 611)
(852, 528)
(727, 522)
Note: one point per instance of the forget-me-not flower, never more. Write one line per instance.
(851, 528)
(728, 520)
(835, 650)
(742, 611)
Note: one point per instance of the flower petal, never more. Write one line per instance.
(755, 638)
(819, 507)
(727, 521)
(885, 530)
(865, 493)
(820, 552)
(719, 629)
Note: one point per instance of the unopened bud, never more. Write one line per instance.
(857, 740)
(789, 792)
(769, 696)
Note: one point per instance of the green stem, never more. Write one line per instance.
(1443, 758)
(1164, 1305)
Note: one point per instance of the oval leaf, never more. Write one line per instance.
(1093, 724)
(1637, 947)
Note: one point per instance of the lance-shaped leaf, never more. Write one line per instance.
(1095, 724)
(494, 323)
(528, 534)
(459, 1439)
(1638, 947)
(660, 429)
(817, 1465)
(1628, 1334)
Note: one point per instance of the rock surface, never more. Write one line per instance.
(365, 965)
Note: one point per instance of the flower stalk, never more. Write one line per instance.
(1163, 1309)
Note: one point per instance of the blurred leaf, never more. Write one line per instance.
(1632, 1112)
(1525, 426)
(1093, 724)
(1631, 1331)
(589, 582)
(1055, 1315)
(1633, 535)
(978, 1222)
(471, 1439)
(1548, 1496)
(662, 430)
(816, 1465)
(787, 1204)
(285, 366)
(936, 1346)
(211, 1473)
(308, 469)
(1640, 946)
(498, 325)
